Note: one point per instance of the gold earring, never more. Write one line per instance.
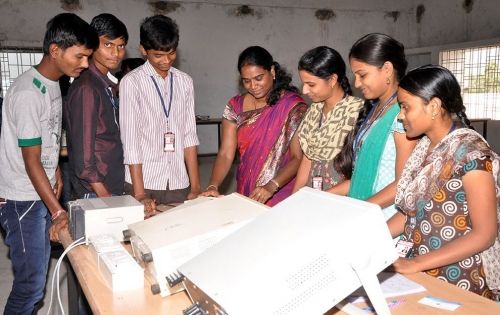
(433, 115)
(388, 81)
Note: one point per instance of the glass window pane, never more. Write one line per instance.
(477, 69)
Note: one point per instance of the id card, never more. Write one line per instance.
(404, 248)
(317, 182)
(169, 142)
(439, 303)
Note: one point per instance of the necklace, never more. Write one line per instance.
(255, 103)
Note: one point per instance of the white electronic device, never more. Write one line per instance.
(303, 256)
(108, 215)
(119, 270)
(162, 243)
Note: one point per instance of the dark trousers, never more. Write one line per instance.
(162, 197)
(26, 225)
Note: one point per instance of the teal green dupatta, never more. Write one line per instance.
(369, 156)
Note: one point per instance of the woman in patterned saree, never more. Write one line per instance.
(331, 116)
(448, 192)
(261, 125)
(377, 148)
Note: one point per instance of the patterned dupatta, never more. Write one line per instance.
(425, 175)
(323, 143)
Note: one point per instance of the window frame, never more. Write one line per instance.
(18, 50)
(434, 52)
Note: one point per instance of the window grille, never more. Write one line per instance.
(14, 61)
(477, 69)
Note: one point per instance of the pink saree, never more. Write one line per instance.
(264, 137)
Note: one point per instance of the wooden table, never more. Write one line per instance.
(103, 301)
(472, 304)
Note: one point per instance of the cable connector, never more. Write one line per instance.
(174, 279)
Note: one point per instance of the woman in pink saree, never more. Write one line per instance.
(261, 125)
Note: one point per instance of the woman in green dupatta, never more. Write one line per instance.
(375, 151)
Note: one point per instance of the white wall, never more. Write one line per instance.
(447, 22)
(212, 35)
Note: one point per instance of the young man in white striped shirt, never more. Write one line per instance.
(157, 121)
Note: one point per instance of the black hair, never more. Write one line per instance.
(374, 49)
(430, 81)
(131, 63)
(323, 62)
(108, 25)
(258, 56)
(159, 32)
(128, 65)
(68, 29)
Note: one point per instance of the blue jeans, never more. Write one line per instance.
(26, 225)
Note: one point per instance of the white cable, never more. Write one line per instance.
(57, 287)
(73, 245)
(70, 247)
(56, 274)
(58, 268)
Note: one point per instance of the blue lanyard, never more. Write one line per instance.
(165, 110)
(112, 99)
(452, 128)
(366, 126)
(114, 103)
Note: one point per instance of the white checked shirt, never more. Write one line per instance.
(143, 124)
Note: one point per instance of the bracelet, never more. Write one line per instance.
(57, 214)
(214, 188)
(140, 195)
(275, 183)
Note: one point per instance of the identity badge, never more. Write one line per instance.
(317, 182)
(169, 142)
(404, 248)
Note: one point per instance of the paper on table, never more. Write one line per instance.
(393, 284)
(439, 303)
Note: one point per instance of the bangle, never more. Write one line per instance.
(275, 183)
(57, 214)
(212, 186)
(141, 195)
